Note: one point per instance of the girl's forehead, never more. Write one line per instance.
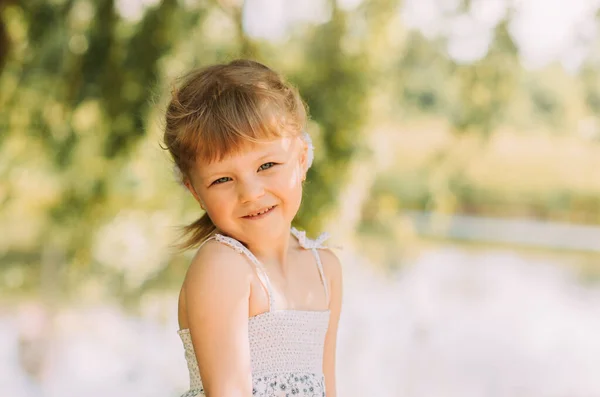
(279, 143)
(253, 150)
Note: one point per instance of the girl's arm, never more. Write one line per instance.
(217, 291)
(333, 272)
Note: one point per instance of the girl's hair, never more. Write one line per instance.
(217, 111)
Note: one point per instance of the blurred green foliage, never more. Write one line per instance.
(85, 190)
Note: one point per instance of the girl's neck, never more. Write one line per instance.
(274, 250)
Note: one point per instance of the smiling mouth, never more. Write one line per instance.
(261, 212)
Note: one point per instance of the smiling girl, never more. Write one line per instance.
(260, 303)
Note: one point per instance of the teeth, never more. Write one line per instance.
(260, 213)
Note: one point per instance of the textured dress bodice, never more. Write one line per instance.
(286, 346)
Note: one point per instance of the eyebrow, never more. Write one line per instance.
(270, 154)
(212, 175)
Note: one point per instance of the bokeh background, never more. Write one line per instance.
(457, 163)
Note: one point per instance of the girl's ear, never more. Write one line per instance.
(188, 184)
(303, 155)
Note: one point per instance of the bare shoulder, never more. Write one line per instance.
(331, 265)
(217, 275)
(217, 262)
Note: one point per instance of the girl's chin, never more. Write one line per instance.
(249, 230)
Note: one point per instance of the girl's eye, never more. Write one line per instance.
(266, 166)
(220, 180)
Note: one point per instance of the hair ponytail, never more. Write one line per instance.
(196, 232)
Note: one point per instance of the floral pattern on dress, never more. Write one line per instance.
(289, 385)
(281, 385)
(193, 393)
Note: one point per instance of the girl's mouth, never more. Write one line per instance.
(261, 214)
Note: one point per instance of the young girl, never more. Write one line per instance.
(260, 303)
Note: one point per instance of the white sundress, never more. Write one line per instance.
(286, 346)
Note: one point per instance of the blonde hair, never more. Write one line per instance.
(217, 111)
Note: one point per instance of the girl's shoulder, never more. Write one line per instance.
(217, 279)
(217, 262)
(332, 266)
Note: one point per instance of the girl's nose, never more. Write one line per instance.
(250, 190)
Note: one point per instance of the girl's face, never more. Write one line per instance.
(255, 193)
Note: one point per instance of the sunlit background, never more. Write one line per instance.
(457, 163)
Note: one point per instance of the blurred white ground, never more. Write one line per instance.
(456, 322)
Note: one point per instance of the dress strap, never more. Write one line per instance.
(241, 248)
(211, 237)
(313, 245)
(320, 266)
(307, 243)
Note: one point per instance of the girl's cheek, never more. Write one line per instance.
(215, 200)
(294, 176)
